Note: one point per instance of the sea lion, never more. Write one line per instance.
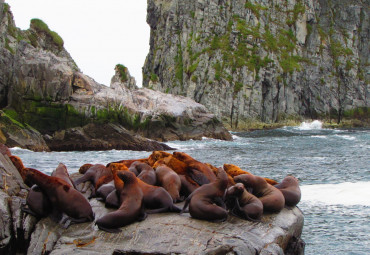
(145, 172)
(234, 170)
(63, 197)
(176, 165)
(131, 208)
(97, 174)
(198, 171)
(205, 202)
(157, 199)
(242, 203)
(271, 198)
(17, 162)
(104, 190)
(169, 180)
(62, 172)
(38, 203)
(290, 189)
(84, 168)
(157, 155)
(128, 162)
(187, 185)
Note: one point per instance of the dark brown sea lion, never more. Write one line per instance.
(157, 199)
(242, 203)
(104, 190)
(145, 172)
(234, 170)
(290, 189)
(98, 175)
(168, 179)
(63, 197)
(198, 171)
(271, 198)
(131, 208)
(38, 203)
(205, 202)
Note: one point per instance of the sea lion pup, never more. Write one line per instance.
(145, 172)
(290, 189)
(243, 204)
(62, 172)
(104, 190)
(98, 175)
(128, 162)
(205, 203)
(234, 170)
(271, 198)
(198, 171)
(168, 179)
(63, 197)
(131, 208)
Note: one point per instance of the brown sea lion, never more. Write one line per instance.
(98, 175)
(63, 197)
(128, 162)
(168, 179)
(17, 162)
(104, 190)
(234, 170)
(157, 199)
(206, 202)
(187, 185)
(38, 203)
(157, 155)
(290, 189)
(145, 172)
(271, 198)
(198, 171)
(131, 208)
(62, 172)
(242, 203)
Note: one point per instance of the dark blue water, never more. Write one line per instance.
(333, 167)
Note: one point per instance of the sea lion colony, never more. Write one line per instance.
(139, 187)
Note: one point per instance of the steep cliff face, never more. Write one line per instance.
(41, 86)
(265, 60)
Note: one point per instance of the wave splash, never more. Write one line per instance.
(316, 124)
(346, 193)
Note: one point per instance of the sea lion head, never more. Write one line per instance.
(235, 190)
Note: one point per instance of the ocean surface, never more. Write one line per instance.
(333, 167)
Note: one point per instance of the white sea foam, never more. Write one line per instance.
(346, 193)
(346, 137)
(316, 124)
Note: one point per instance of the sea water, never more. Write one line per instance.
(333, 167)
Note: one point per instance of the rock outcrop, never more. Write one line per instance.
(262, 60)
(165, 233)
(41, 86)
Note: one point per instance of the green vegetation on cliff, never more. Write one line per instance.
(41, 27)
(122, 70)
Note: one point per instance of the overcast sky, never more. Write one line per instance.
(98, 34)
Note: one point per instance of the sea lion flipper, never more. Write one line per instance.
(187, 201)
(174, 208)
(29, 211)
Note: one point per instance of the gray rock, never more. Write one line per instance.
(269, 61)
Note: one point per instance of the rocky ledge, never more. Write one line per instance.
(166, 233)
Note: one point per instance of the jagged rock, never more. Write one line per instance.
(249, 61)
(101, 137)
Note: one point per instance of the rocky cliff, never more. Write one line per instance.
(262, 60)
(42, 87)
